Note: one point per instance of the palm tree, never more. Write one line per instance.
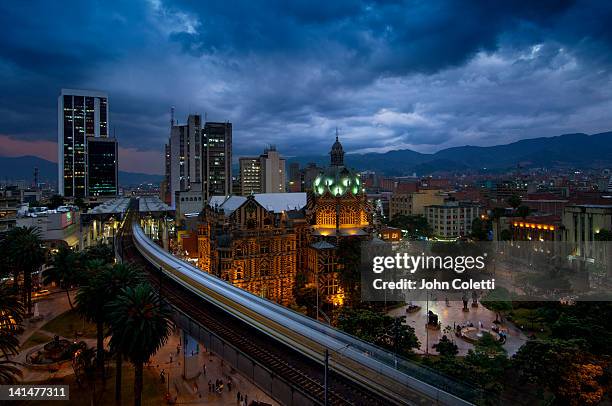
(11, 317)
(8, 267)
(102, 252)
(26, 255)
(11, 313)
(8, 372)
(66, 270)
(115, 279)
(140, 326)
(91, 301)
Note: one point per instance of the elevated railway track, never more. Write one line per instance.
(288, 345)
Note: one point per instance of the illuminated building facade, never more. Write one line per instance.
(414, 203)
(391, 234)
(250, 176)
(217, 159)
(262, 174)
(80, 114)
(339, 205)
(536, 228)
(183, 158)
(337, 209)
(252, 242)
(261, 241)
(103, 177)
(452, 219)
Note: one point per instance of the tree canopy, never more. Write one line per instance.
(379, 329)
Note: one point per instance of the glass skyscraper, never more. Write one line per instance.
(82, 114)
(217, 159)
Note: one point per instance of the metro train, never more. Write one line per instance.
(361, 362)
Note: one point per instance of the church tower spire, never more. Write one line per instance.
(337, 153)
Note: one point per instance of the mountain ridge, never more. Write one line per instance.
(566, 150)
(574, 150)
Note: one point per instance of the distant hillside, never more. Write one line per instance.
(22, 168)
(135, 178)
(569, 150)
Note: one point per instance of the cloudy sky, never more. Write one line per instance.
(389, 74)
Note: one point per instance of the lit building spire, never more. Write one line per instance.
(337, 152)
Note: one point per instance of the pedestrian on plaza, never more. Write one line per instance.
(209, 386)
(196, 389)
(229, 385)
(238, 397)
(178, 349)
(204, 369)
(171, 358)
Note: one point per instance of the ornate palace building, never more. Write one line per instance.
(252, 242)
(337, 210)
(262, 242)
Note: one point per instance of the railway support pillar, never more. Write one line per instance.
(326, 381)
(190, 349)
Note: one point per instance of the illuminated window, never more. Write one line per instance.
(326, 217)
(349, 216)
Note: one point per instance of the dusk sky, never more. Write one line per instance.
(422, 75)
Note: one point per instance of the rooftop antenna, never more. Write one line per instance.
(171, 116)
(336, 133)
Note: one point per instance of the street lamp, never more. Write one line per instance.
(426, 325)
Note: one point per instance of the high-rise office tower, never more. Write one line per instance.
(165, 187)
(250, 176)
(102, 172)
(263, 174)
(216, 159)
(80, 114)
(183, 157)
(272, 171)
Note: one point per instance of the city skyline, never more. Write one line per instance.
(390, 76)
(360, 202)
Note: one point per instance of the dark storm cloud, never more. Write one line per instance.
(45, 46)
(394, 37)
(390, 74)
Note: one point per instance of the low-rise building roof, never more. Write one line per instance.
(274, 202)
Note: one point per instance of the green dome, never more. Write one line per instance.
(337, 181)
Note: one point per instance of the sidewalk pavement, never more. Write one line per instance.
(196, 391)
